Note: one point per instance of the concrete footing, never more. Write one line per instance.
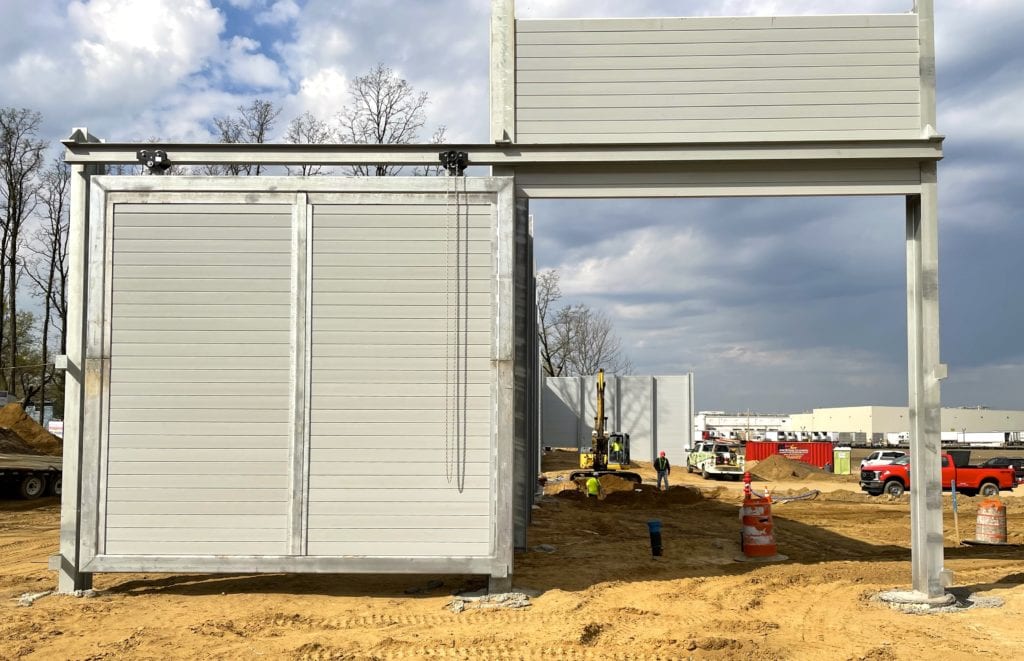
(499, 584)
(917, 601)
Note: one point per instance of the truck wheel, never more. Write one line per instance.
(31, 487)
(705, 474)
(894, 488)
(56, 486)
(989, 489)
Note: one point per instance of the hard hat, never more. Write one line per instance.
(661, 454)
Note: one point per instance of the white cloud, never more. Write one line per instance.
(246, 65)
(279, 13)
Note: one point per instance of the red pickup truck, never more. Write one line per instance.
(894, 478)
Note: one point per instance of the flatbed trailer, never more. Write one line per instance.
(30, 476)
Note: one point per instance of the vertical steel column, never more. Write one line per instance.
(69, 575)
(503, 71)
(924, 374)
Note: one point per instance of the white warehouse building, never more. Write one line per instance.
(875, 423)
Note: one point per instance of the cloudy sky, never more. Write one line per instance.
(774, 304)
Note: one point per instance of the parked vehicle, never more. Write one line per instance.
(893, 479)
(1016, 464)
(882, 457)
(30, 476)
(715, 460)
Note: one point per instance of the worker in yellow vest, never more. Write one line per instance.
(663, 468)
(593, 487)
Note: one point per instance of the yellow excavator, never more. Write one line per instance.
(609, 453)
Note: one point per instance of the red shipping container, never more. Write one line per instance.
(813, 453)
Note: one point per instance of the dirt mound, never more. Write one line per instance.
(777, 467)
(13, 418)
(11, 443)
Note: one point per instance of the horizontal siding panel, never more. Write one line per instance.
(325, 313)
(272, 485)
(398, 247)
(759, 23)
(326, 270)
(440, 299)
(330, 495)
(186, 402)
(268, 311)
(437, 259)
(186, 259)
(835, 72)
(425, 205)
(402, 475)
(204, 363)
(206, 429)
(385, 417)
(350, 426)
(160, 440)
(215, 232)
(402, 364)
(346, 377)
(327, 395)
(172, 416)
(395, 542)
(319, 481)
(235, 324)
(233, 521)
(718, 61)
(253, 350)
(240, 245)
(383, 506)
(172, 548)
(200, 376)
(343, 441)
(684, 136)
(325, 286)
(770, 49)
(199, 286)
(211, 455)
(201, 493)
(209, 507)
(179, 273)
(698, 175)
(476, 399)
(413, 232)
(427, 549)
(213, 211)
(747, 126)
(759, 99)
(266, 488)
(411, 336)
(598, 112)
(356, 523)
(199, 391)
(665, 91)
(210, 338)
(177, 535)
(252, 469)
(476, 324)
(191, 298)
(387, 457)
(718, 35)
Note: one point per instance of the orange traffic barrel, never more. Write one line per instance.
(991, 524)
(757, 537)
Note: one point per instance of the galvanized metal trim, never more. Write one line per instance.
(504, 382)
(926, 148)
(281, 564)
(299, 385)
(93, 383)
(503, 71)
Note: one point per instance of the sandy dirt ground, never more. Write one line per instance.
(597, 591)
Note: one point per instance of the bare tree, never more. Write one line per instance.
(434, 170)
(21, 157)
(575, 340)
(385, 110)
(311, 130)
(252, 125)
(48, 269)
